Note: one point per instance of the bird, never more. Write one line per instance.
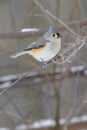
(45, 48)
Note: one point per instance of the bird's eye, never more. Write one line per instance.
(53, 35)
(58, 34)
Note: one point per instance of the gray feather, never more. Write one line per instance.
(40, 43)
(18, 54)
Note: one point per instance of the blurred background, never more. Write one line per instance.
(56, 95)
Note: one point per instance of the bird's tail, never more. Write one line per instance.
(18, 54)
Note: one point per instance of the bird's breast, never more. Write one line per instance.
(47, 52)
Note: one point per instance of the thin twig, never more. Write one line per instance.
(20, 77)
(55, 18)
(14, 83)
(73, 53)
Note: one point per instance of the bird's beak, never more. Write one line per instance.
(60, 36)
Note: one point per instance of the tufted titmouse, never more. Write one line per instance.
(46, 48)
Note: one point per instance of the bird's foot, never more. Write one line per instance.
(55, 59)
(46, 63)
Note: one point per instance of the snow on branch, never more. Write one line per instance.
(75, 123)
(36, 77)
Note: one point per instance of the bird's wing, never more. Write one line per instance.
(40, 43)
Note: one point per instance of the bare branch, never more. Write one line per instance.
(16, 79)
(22, 35)
(31, 76)
(67, 53)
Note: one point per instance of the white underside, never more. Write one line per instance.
(49, 52)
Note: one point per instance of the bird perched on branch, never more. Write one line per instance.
(46, 48)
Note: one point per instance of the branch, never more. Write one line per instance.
(22, 35)
(65, 57)
(11, 80)
(76, 123)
